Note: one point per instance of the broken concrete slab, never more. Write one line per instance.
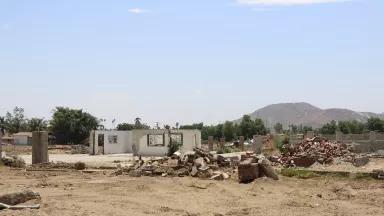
(19, 197)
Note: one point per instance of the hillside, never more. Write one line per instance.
(307, 114)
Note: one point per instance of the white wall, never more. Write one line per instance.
(191, 139)
(123, 145)
(136, 142)
(21, 139)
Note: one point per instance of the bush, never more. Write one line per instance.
(227, 150)
(281, 142)
(173, 147)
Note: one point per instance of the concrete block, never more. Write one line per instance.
(40, 147)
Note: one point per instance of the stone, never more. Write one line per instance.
(17, 198)
(13, 161)
(173, 162)
(199, 162)
(361, 161)
(194, 171)
(79, 166)
(305, 161)
(267, 169)
(217, 177)
(248, 171)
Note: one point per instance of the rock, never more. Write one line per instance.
(378, 174)
(361, 161)
(225, 175)
(248, 171)
(305, 161)
(177, 154)
(194, 171)
(266, 167)
(199, 162)
(217, 177)
(173, 162)
(182, 172)
(79, 166)
(17, 198)
(13, 161)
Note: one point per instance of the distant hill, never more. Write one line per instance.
(307, 115)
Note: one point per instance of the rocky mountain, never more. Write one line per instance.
(307, 114)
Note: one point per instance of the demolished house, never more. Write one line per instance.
(142, 142)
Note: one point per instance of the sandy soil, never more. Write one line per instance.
(78, 193)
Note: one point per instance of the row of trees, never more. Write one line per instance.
(229, 130)
(278, 127)
(353, 127)
(15, 122)
(137, 125)
(69, 126)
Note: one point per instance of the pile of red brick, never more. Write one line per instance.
(310, 151)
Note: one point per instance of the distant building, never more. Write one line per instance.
(22, 138)
(142, 142)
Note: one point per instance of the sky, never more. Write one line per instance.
(171, 61)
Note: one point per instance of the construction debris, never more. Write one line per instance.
(203, 164)
(59, 165)
(13, 161)
(18, 207)
(317, 149)
(378, 174)
(255, 166)
(20, 197)
(199, 163)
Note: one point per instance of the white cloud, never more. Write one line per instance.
(137, 10)
(286, 2)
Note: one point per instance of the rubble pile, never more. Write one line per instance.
(79, 149)
(205, 165)
(59, 165)
(13, 161)
(313, 150)
(254, 166)
(198, 163)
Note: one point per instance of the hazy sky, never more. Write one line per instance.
(190, 61)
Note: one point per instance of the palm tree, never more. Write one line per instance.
(137, 122)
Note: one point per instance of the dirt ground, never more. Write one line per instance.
(78, 193)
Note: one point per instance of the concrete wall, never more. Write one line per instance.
(136, 142)
(22, 140)
(191, 139)
(123, 145)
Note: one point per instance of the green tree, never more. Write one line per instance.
(72, 126)
(15, 122)
(375, 124)
(36, 124)
(258, 128)
(246, 126)
(278, 128)
(2, 126)
(229, 131)
(219, 132)
(125, 127)
(139, 124)
(329, 128)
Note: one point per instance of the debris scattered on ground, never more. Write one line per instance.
(18, 207)
(79, 149)
(378, 174)
(59, 165)
(13, 161)
(317, 149)
(254, 166)
(198, 163)
(19, 197)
